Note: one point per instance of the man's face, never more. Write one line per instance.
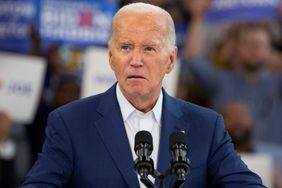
(254, 49)
(139, 54)
(238, 122)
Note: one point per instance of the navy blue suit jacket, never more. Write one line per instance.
(87, 147)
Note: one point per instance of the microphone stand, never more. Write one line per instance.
(148, 183)
(180, 179)
(144, 165)
(161, 177)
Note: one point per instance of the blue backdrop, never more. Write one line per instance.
(82, 23)
(247, 10)
(71, 22)
(16, 16)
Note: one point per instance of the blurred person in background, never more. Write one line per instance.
(275, 63)
(250, 81)
(224, 54)
(54, 65)
(188, 89)
(240, 125)
(8, 174)
(64, 89)
(61, 85)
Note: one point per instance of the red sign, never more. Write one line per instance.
(86, 19)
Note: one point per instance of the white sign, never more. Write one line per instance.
(261, 164)
(98, 75)
(21, 80)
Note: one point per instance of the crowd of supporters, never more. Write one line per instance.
(234, 68)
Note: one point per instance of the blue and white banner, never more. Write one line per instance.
(16, 16)
(78, 23)
(21, 81)
(243, 10)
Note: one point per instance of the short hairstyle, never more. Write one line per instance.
(145, 7)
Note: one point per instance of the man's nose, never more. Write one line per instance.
(136, 60)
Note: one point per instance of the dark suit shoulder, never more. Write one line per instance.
(195, 111)
(81, 105)
(80, 112)
(84, 103)
(90, 105)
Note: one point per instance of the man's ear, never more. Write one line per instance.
(110, 55)
(172, 60)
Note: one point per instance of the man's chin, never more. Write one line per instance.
(253, 67)
(137, 88)
(138, 94)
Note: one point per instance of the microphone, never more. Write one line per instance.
(143, 148)
(180, 164)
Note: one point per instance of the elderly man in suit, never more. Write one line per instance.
(90, 142)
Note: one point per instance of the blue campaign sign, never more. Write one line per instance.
(16, 17)
(238, 10)
(76, 22)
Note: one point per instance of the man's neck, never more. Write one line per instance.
(142, 103)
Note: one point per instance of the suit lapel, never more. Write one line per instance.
(171, 121)
(112, 131)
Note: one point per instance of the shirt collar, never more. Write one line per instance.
(127, 109)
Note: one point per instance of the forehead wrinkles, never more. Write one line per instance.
(144, 36)
(136, 23)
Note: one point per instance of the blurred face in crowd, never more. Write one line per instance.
(238, 122)
(66, 92)
(5, 126)
(275, 63)
(254, 49)
(141, 53)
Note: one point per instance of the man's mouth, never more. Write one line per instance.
(136, 77)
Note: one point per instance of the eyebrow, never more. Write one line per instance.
(125, 41)
(120, 44)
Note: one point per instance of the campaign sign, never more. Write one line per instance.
(262, 164)
(79, 23)
(21, 79)
(98, 75)
(16, 16)
(243, 10)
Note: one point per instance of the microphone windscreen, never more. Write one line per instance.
(143, 137)
(177, 138)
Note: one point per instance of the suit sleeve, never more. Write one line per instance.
(225, 167)
(55, 163)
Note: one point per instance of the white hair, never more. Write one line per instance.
(145, 7)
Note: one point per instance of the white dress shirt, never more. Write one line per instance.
(135, 121)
